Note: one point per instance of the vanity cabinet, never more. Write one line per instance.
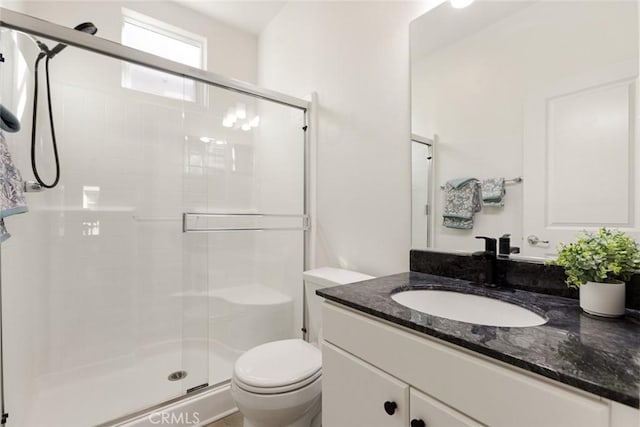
(368, 362)
(358, 394)
(427, 412)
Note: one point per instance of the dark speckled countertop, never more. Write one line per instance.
(597, 355)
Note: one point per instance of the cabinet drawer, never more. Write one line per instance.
(485, 391)
(435, 414)
(354, 393)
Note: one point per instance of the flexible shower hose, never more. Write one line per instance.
(34, 123)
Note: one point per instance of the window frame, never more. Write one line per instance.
(133, 18)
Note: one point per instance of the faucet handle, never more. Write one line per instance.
(490, 244)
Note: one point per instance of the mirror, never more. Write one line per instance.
(543, 94)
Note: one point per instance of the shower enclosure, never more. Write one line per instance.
(174, 241)
(422, 222)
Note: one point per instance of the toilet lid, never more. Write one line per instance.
(277, 364)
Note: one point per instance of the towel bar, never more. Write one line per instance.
(281, 222)
(516, 180)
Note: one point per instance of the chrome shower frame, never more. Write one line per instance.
(40, 28)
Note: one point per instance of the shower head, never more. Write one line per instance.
(85, 27)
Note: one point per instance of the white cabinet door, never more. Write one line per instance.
(580, 156)
(354, 393)
(427, 412)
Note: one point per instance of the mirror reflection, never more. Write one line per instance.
(531, 108)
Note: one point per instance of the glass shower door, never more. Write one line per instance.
(244, 222)
(95, 308)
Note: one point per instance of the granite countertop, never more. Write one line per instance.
(601, 356)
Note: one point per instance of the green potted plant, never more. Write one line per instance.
(599, 264)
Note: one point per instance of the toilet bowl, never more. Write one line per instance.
(279, 384)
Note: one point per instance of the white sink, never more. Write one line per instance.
(468, 308)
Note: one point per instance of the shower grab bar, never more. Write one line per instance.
(186, 215)
(516, 180)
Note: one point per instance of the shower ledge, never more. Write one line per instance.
(253, 294)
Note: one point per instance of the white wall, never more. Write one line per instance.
(355, 55)
(472, 94)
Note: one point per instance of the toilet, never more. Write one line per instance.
(279, 384)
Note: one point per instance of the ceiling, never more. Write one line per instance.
(444, 25)
(248, 15)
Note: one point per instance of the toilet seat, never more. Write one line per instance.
(281, 389)
(278, 367)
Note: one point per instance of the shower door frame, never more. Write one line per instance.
(38, 27)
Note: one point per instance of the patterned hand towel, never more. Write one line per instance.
(11, 193)
(462, 201)
(493, 192)
(8, 121)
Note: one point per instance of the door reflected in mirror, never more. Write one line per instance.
(546, 91)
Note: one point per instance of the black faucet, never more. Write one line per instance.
(504, 247)
(490, 256)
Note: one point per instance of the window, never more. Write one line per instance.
(158, 38)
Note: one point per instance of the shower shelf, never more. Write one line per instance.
(79, 209)
(242, 295)
(157, 219)
(201, 222)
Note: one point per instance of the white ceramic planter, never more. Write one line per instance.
(603, 299)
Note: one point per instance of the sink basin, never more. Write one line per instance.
(468, 308)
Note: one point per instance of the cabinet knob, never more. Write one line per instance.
(390, 407)
(418, 423)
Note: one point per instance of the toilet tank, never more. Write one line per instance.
(323, 278)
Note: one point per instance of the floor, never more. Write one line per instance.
(234, 420)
